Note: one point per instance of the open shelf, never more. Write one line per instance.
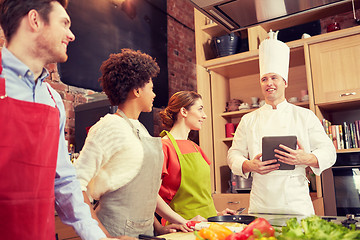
(227, 139)
(339, 106)
(350, 150)
(247, 63)
(240, 113)
(242, 64)
(213, 29)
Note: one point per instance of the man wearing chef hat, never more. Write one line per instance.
(273, 190)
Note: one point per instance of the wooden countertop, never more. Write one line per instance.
(179, 236)
(276, 220)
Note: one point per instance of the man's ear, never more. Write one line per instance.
(34, 19)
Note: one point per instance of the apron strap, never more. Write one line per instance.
(2, 88)
(135, 130)
(48, 87)
(173, 141)
(1, 68)
(2, 82)
(197, 150)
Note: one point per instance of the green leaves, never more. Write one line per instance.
(315, 228)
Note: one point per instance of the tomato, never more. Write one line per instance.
(262, 226)
(236, 236)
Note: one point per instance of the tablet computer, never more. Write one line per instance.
(269, 144)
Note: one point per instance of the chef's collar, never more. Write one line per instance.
(280, 106)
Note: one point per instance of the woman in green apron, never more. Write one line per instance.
(186, 184)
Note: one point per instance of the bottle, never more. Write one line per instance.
(71, 152)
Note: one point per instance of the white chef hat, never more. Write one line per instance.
(274, 56)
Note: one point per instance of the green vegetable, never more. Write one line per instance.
(316, 228)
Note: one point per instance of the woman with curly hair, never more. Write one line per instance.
(120, 163)
(186, 185)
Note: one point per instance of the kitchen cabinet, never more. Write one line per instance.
(336, 81)
(335, 75)
(335, 70)
(236, 201)
(318, 204)
(237, 76)
(231, 201)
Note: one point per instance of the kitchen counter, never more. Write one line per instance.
(276, 220)
(179, 236)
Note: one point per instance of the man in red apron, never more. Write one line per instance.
(35, 172)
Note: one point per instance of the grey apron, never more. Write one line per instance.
(130, 209)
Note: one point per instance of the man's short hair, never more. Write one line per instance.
(12, 11)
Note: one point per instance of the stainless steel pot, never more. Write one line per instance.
(240, 184)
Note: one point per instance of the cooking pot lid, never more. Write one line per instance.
(246, 219)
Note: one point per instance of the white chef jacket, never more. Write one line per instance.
(280, 191)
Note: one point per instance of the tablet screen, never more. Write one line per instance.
(269, 144)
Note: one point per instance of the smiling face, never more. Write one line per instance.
(273, 88)
(55, 36)
(195, 116)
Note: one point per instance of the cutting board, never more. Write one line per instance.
(179, 236)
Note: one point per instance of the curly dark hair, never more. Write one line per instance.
(125, 71)
(12, 11)
(184, 99)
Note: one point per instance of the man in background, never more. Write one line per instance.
(35, 170)
(273, 190)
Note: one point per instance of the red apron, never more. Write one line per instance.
(29, 138)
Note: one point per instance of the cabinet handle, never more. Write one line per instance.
(347, 94)
(234, 202)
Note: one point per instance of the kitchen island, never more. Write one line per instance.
(279, 220)
(274, 219)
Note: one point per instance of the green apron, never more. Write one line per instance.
(194, 194)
